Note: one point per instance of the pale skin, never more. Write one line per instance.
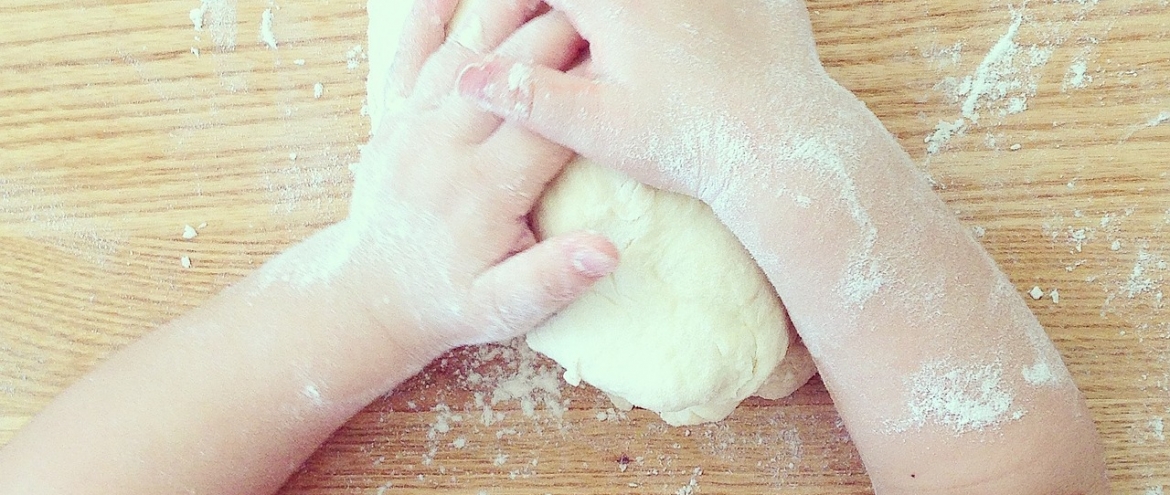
(846, 229)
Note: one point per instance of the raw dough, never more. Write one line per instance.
(688, 326)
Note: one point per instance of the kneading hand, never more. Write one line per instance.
(438, 218)
(678, 92)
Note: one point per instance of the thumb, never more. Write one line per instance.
(523, 291)
(572, 111)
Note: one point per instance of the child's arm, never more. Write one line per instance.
(230, 398)
(946, 381)
(435, 254)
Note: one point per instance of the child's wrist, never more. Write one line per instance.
(326, 283)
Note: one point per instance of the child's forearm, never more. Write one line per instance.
(231, 398)
(944, 377)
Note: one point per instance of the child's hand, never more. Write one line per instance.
(674, 83)
(444, 251)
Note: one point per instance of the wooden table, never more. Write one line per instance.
(120, 124)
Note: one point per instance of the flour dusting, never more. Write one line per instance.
(218, 17)
(864, 275)
(1000, 86)
(511, 387)
(1077, 76)
(959, 398)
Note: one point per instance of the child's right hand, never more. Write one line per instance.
(672, 83)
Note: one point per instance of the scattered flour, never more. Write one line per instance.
(318, 91)
(185, 261)
(1000, 86)
(502, 377)
(1142, 279)
(1155, 121)
(692, 485)
(189, 232)
(354, 56)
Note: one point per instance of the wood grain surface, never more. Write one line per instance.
(120, 123)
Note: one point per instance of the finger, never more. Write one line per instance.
(594, 119)
(424, 33)
(524, 242)
(490, 22)
(549, 40)
(518, 294)
(588, 16)
(523, 162)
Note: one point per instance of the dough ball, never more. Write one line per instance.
(688, 326)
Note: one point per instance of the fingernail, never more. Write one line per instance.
(593, 263)
(474, 82)
(498, 87)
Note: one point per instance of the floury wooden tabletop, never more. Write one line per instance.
(120, 124)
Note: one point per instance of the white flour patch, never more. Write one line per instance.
(197, 14)
(1038, 374)
(354, 57)
(1077, 76)
(958, 398)
(266, 34)
(313, 394)
(1155, 121)
(218, 17)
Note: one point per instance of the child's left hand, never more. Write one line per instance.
(445, 255)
